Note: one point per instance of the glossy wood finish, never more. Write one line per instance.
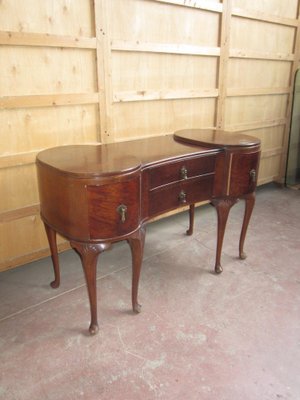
(97, 195)
(223, 207)
(216, 138)
(89, 253)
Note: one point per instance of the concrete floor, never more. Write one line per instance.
(235, 336)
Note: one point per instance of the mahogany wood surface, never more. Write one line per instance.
(95, 195)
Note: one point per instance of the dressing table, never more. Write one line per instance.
(95, 195)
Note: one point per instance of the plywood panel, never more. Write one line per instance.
(136, 120)
(13, 246)
(258, 73)
(255, 108)
(142, 71)
(20, 187)
(148, 21)
(271, 138)
(63, 17)
(287, 9)
(55, 70)
(269, 169)
(24, 130)
(261, 36)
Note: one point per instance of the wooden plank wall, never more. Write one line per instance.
(79, 71)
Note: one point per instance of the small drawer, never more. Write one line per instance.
(179, 194)
(181, 170)
(113, 209)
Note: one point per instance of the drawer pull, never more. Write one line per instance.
(252, 174)
(122, 210)
(183, 172)
(182, 197)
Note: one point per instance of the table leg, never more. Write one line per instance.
(89, 256)
(191, 218)
(136, 243)
(249, 204)
(223, 207)
(51, 235)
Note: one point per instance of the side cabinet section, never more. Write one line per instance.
(114, 208)
(243, 173)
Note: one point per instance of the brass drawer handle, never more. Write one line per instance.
(252, 174)
(182, 197)
(183, 172)
(122, 210)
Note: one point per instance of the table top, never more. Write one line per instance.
(215, 138)
(122, 157)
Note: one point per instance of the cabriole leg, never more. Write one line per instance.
(223, 207)
(191, 218)
(249, 204)
(51, 235)
(136, 243)
(89, 256)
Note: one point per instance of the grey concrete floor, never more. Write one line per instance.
(235, 336)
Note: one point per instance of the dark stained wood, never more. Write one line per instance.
(89, 256)
(170, 172)
(105, 219)
(136, 243)
(51, 235)
(178, 194)
(190, 231)
(223, 207)
(215, 138)
(95, 195)
(86, 161)
(249, 205)
(242, 181)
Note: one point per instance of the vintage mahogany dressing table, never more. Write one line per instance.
(95, 195)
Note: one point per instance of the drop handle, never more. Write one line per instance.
(183, 172)
(182, 197)
(122, 210)
(252, 174)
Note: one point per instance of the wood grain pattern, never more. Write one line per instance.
(94, 202)
(82, 71)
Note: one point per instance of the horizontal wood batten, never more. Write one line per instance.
(259, 16)
(235, 92)
(163, 95)
(248, 126)
(200, 4)
(26, 258)
(241, 53)
(45, 40)
(46, 100)
(19, 213)
(19, 159)
(167, 48)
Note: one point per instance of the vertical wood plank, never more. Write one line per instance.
(223, 63)
(103, 58)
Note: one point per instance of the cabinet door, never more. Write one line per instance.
(244, 171)
(114, 209)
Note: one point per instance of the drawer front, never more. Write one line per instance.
(113, 209)
(181, 170)
(180, 194)
(244, 171)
